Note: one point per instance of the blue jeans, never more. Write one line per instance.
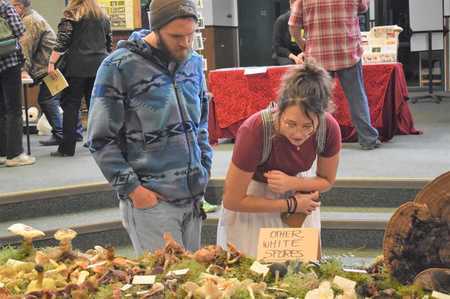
(146, 227)
(352, 82)
(50, 107)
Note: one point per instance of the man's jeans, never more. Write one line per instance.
(50, 107)
(352, 82)
(11, 124)
(146, 227)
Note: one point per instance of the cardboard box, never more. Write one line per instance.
(380, 44)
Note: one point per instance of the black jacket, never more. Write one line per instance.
(282, 41)
(86, 43)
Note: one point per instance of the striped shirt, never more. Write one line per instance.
(8, 13)
(332, 30)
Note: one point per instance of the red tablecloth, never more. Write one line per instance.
(236, 96)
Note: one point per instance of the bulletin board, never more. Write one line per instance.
(431, 20)
(124, 14)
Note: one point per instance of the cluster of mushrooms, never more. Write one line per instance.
(62, 272)
(216, 273)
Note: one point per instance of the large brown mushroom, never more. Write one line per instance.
(434, 279)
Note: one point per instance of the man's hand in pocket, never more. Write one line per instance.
(144, 198)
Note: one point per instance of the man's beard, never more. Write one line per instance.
(165, 49)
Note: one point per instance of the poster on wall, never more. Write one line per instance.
(121, 13)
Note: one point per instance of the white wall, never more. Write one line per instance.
(51, 10)
(220, 13)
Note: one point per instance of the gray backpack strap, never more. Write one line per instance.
(321, 135)
(267, 122)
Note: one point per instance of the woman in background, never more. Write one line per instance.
(261, 184)
(84, 38)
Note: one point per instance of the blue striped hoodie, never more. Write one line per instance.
(149, 126)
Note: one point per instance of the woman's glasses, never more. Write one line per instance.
(293, 127)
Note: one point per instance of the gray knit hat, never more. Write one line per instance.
(163, 12)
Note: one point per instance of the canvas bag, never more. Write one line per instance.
(8, 42)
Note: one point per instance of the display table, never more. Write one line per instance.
(236, 96)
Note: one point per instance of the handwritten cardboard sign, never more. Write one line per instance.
(282, 244)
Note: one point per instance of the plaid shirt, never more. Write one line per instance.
(10, 15)
(332, 30)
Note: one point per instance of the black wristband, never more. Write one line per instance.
(293, 204)
(288, 203)
(294, 210)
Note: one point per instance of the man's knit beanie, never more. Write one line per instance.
(163, 12)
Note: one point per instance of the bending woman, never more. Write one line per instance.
(260, 186)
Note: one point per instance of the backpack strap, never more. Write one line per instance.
(321, 135)
(267, 122)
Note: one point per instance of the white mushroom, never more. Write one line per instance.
(347, 285)
(65, 237)
(190, 288)
(324, 291)
(156, 288)
(255, 288)
(229, 287)
(27, 232)
(209, 290)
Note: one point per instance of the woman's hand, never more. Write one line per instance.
(279, 182)
(295, 59)
(301, 58)
(52, 71)
(307, 203)
(144, 198)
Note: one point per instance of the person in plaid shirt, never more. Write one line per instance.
(11, 146)
(333, 41)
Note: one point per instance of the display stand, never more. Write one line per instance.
(431, 26)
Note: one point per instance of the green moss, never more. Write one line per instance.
(299, 284)
(411, 291)
(147, 261)
(385, 280)
(195, 269)
(10, 252)
(104, 292)
(241, 270)
(329, 269)
(241, 293)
